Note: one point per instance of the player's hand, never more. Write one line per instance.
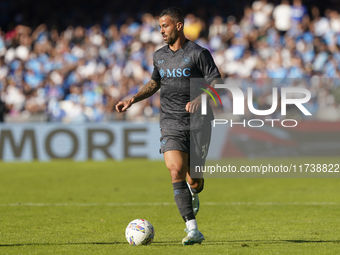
(122, 106)
(193, 106)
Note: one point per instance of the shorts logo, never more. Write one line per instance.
(164, 141)
(162, 73)
(176, 192)
(186, 60)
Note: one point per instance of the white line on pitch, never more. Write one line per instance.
(167, 204)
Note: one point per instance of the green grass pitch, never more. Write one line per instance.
(65, 207)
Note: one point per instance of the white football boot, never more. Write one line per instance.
(194, 236)
(195, 201)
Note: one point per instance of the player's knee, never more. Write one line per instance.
(177, 171)
(174, 167)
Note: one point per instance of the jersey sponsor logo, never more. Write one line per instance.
(186, 60)
(160, 61)
(176, 72)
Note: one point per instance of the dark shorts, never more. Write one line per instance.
(198, 140)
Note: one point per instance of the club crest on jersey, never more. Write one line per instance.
(162, 73)
(186, 60)
(160, 61)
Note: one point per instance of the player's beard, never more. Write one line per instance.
(171, 38)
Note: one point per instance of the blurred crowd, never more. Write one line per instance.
(80, 73)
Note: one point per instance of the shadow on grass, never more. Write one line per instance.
(173, 243)
(269, 241)
(28, 244)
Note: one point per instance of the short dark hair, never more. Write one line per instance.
(175, 13)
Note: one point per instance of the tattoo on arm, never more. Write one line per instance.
(147, 90)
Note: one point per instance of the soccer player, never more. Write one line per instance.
(174, 65)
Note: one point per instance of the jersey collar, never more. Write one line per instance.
(181, 49)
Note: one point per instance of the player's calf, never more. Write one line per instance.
(183, 200)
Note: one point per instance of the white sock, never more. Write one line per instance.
(191, 224)
(190, 189)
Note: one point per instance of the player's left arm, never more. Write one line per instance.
(210, 73)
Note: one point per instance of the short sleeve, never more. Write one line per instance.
(207, 66)
(155, 74)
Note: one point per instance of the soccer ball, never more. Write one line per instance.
(139, 232)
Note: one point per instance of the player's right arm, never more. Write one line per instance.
(146, 91)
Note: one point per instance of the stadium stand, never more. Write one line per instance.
(74, 70)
